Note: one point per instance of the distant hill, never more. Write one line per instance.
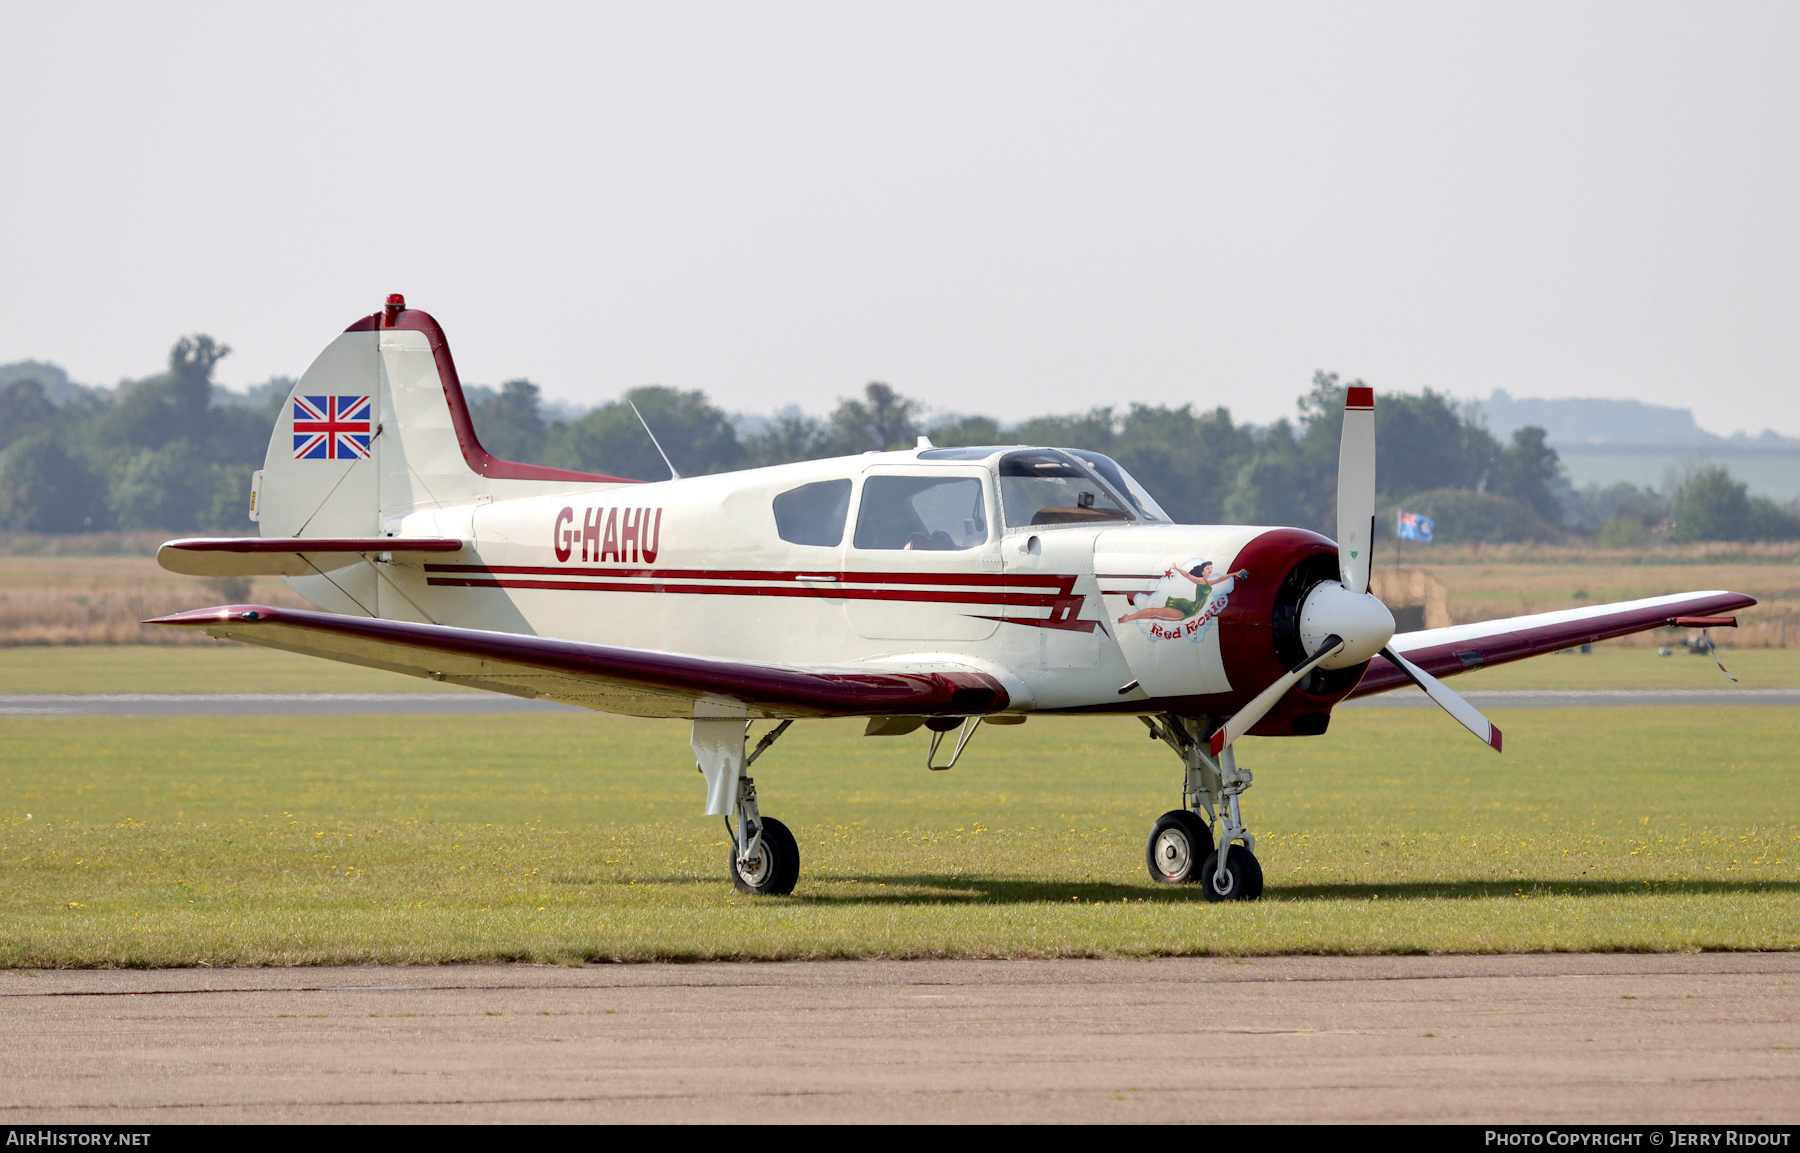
(1592, 421)
(58, 388)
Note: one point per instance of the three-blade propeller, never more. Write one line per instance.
(1343, 622)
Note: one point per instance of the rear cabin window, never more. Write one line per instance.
(814, 513)
(936, 513)
(1043, 487)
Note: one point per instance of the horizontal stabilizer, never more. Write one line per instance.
(286, 556)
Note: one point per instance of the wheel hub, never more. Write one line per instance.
(755, 868)
(1174, 854)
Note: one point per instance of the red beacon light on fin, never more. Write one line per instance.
(396, 304)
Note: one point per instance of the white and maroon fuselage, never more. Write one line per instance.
(698, 566)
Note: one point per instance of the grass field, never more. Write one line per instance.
(188, 841)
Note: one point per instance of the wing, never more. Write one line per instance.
(637, 682)
(1459, 648)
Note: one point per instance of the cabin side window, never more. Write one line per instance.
(814, 513)
(936, 513)
(1045, 487)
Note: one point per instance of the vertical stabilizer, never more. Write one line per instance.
(376, 433)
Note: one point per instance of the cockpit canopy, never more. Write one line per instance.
(1136, 494)
(1042, 486)
(921, 511)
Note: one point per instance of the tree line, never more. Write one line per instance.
(174, 452)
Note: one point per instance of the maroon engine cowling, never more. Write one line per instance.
(1259, 635)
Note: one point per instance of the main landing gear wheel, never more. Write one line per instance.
(1243, 876)
(1179, 843)
(774, 866)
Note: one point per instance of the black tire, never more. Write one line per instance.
(1244, 879)
(1179, 842)
(775, 868)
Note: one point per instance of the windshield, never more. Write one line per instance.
(1125, 483)
(1043, 486)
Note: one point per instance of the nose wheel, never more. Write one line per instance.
(1240, 880)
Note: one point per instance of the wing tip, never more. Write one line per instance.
(196, 618)
(1494, 736)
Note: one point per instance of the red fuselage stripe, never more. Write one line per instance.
(943, 596)
(1062, 583)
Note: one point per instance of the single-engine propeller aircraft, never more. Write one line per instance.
(935, 588)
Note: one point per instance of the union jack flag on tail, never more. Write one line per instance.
(331, 427)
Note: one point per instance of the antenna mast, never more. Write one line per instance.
(659, 448)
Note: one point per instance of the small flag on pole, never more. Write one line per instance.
(1415, 527)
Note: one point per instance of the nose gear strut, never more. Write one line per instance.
(1180, 847)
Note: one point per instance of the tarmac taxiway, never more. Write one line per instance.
(1544, 1038)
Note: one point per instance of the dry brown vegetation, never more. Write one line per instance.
(1660, 555)
(80, 544)
(1485, 582)
(99, 600)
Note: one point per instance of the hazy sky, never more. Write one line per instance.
(1000, 208)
